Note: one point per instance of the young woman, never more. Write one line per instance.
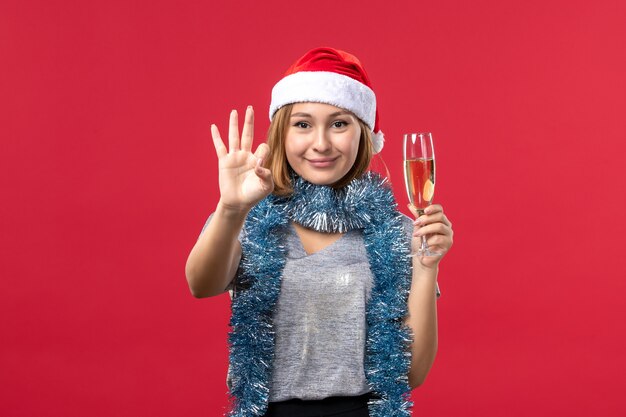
(330, 314)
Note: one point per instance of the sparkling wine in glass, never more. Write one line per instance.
(419, 177)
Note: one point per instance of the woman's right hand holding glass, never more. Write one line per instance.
(242, 179)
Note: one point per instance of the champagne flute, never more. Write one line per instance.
(419, 177)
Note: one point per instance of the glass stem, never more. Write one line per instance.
(424, 245)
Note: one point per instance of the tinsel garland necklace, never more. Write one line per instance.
(366, 203)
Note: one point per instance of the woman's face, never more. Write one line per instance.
(322, 142)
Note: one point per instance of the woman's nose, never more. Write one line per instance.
(322, 141)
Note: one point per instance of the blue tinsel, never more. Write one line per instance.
(366, 203)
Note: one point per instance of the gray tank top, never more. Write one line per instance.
(320, 320)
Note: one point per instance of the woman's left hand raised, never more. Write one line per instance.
(438, 231)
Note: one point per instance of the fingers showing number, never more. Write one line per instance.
(234, 144)
(262, 151)
(243, 180)
(248, 130)
(233, 132)
(220, 149)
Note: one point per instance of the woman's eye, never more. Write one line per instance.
(302, 125)
(340, 124)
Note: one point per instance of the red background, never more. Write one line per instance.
(108, 174)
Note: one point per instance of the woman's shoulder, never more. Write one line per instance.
(407, 222)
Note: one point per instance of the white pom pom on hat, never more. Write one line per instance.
(330, 76)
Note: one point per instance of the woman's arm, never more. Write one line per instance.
(213, 261)
(422, 304)
(422, 320)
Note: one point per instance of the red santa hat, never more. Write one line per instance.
(331, 76)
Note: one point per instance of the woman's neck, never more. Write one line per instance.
(313, 241)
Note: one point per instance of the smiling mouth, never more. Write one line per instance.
(322, 162)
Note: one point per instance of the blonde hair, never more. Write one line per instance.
(276, 161)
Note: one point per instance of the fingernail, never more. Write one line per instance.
(249, 107)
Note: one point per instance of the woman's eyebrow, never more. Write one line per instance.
(335, 114)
